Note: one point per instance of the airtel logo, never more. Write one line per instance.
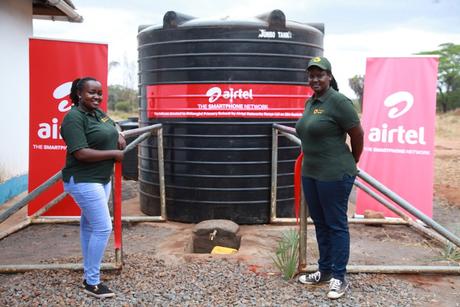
(51, 130)
(400, 134)
(60, 92)
(214, 93)
(395, 100)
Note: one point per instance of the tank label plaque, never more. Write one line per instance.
(226, 100)
(263, 33)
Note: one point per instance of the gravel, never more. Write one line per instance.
(147, 281)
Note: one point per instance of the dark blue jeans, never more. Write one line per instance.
(327, 204)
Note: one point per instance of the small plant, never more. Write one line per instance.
(287, 254)
(450, 252)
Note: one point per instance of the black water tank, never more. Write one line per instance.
(218, 154)
(130, 164)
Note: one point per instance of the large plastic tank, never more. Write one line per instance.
(129, 169)
(217, 85)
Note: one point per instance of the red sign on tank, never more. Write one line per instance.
(226, 100)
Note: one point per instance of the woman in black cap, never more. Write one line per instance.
(328, 172)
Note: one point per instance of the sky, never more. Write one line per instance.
(354, 29)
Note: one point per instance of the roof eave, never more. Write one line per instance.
(57, 10)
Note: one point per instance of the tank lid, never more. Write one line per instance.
(274, 20)
(173, 19)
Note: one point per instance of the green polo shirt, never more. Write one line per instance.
(322, 130)
(93, 130)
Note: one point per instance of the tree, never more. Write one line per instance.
(126, 97)
(448, 75)
(356, 83)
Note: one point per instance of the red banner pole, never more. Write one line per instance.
(117, 206)
(297, 183)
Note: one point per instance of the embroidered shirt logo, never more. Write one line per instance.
(318, 111)
(316, 59)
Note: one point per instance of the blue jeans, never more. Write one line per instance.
(95, 224)
(327, 204)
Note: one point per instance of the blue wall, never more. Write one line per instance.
(12, 187)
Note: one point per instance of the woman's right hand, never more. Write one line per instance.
(118, 155)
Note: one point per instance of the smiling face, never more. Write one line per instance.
(91, 95)
(319, 80)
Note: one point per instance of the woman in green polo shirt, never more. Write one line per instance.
(328, 172)
(93, 145)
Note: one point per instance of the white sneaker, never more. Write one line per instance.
(337, 288)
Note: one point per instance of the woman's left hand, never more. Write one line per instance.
(121, 142)
(357, 141)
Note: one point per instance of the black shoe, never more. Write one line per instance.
(99, 291)
(84, 283)
(337, 288)
(315, 278)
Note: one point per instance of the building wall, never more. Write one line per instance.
(15, 30)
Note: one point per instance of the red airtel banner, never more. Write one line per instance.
(214, 100)
(54, 65)
(398, 121)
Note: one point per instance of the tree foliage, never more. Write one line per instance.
(356, 83)
(448, 75)
(123, 97)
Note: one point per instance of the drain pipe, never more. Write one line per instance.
(66, 9)
(396, 269)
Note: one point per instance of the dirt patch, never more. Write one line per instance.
(447, 158)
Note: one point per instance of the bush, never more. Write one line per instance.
(123, 106)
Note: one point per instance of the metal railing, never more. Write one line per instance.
(142, 134)
(436, 231)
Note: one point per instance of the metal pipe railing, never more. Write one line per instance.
(117, 219)
(73, 220)
(408, 207)
(439, 232)
(161, 173)
(31, 196)
(274, 175)
(396, 269)
(48, 206)
(28, 220)
(21, 268)
(145, 132)
(141, 130)
(387, 192)
(303, 234)
(399, 212)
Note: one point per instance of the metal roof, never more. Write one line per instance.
(59, 10)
